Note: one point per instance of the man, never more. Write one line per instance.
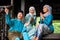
(17, 29)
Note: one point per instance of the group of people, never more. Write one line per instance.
(26, 29)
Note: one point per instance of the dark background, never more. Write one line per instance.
(5, 2)
(37, 4)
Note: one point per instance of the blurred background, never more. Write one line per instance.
(24, 5)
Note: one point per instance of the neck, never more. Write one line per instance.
(19, 19)
(46, 12)
(31, 13)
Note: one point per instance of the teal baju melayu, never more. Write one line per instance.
(16, 25)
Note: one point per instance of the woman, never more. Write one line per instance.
(30, 21)
(45, 26)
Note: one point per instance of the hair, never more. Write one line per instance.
(20, 11)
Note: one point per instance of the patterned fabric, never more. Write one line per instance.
(30, 28)
(42, 30)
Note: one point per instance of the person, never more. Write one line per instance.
(17, 29)
(30, 21)
(45, 26)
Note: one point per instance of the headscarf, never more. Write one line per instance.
(49, 10)
(33, 9)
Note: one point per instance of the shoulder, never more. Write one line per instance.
(13, 19)
(28, 15)
(50, 15)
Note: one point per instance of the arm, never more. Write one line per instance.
(41, 21)
(47, 20)
(34, 20)
(7, 17)
(8, 20)
(27, 20)
(24, 29)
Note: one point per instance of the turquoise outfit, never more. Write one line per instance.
(45, 26)
(48, 21)
(16, 25)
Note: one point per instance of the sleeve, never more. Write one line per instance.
(24, 29)
(36, 33)
(34, 21)
(25, 36)
(27, 18)
(8, 20)
(41, 21)
(47, 20)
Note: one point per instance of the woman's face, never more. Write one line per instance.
(31, 10)
(45, 9)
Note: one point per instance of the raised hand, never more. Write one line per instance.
(6, 10)
(42, 16)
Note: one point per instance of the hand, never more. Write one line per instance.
(6, 10)
(31, 19)
(41, 15)
(37, 25)
(34, 38)
(26, 24)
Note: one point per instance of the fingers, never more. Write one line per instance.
(6, 10)
(41, 14)
(26, 24)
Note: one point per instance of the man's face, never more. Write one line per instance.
(20, 16)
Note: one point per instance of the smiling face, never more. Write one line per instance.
(20, 15)
(45, 9)
(31, 10)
